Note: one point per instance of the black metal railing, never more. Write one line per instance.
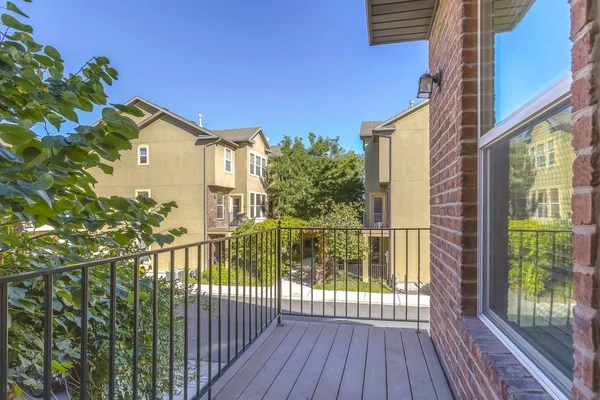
(131, 329)
(356, 273)
(540, 283)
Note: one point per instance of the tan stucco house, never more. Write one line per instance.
(214, 176)
(396, 182)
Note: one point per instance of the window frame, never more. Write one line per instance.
(221, 206)
(257, 211)
(138, 191)
(226, 151)
(256, 168)
(147, 148)
(552, 204)
(548, 152)
(556, 96)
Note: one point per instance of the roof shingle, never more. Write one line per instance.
(237, 134)
(366, 128)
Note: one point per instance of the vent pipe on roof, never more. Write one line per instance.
(412, 103)
(199, 119)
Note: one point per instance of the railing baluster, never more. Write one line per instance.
(406, 279)
(552, 279)
(279, 272)
(84, 334)
(237, 291)
(210, 350)
(291, 263)
(4, 341)
(264, 266)
(186, 283)
(358, 275)
(370, 267)
(312, 270)
(228, 301)
(535, 274)
(155, 329)
(381, 260)
(244, 296)
(520, 293)
(198, 319)
(48, 321)
(301, 272)
(113, 331)
(393, 246)
(418, 278)
(335, 271)
(171, 324)
(324, 264)
(256, 288)
(219, 313)
(250, 292)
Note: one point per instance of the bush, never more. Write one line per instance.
(355, 284)
(228, 276)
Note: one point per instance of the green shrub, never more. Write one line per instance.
(355, 284)
(228, 276)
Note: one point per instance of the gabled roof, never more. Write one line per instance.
(388, 125)
(276, 151)
(241, 135)
(366, 128)
(164, 111)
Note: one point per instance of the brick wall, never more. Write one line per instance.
(476, 363)
(584, 34)
(211, 208)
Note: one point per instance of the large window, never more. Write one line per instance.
(258, 165)
(258, 205)
(526, 159)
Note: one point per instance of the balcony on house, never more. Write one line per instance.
(281, 313)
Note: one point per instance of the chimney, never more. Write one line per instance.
(412, 103)
(199, 119)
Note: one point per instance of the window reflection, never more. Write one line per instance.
(531, 269)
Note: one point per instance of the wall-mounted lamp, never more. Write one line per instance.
(426, 82)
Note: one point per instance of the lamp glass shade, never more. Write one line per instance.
(425, 86)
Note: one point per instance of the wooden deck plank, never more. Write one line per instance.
(418, 373)
(248, 371)
(286, 379)
(397, 373)
(440, 383)
(238, 364)
(309, 377)
(267, 374)
(331, 376)
(375, 386)
(354, 372)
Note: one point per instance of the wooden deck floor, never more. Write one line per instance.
(312, 360)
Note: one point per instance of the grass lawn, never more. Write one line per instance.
(355, 284)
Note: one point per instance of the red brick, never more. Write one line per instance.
(585, 248)
(582, 205)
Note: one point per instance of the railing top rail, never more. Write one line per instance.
(542, 230)
(106, 261)
(320, 228)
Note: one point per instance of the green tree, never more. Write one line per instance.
(522, 175)
(305, 178)
(339, 238)
(45, 161)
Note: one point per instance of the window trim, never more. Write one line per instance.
(225, 160)
(256, 154)
(143, 146)
(555, 96)
(257, 195)
(222, 205)
(137, 191)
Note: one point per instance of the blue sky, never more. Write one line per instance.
(289, 66)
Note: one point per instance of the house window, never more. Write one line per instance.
(220, 206)
(258, 205)
(541, 156)
(228, 160)
(554, 204)
(377, 209)
(526, 268)
(542, 205)
(551, 153)
(258, 165)
(142, 193)
(143, 155)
